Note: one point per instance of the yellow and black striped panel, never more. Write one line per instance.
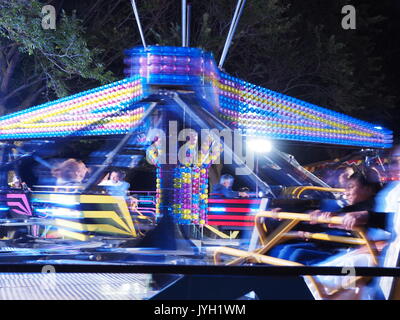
(90, 215)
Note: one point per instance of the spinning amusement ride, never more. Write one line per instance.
(127, 125)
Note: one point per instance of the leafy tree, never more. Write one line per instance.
(35, 61)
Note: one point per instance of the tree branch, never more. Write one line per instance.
(30, 99)
(23, 87)
(9, 72)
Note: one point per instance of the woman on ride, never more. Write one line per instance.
(70, 172)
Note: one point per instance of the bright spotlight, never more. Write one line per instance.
(260, 145)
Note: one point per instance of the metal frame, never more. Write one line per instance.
(283, 233)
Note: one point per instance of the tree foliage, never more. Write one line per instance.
(36, 61)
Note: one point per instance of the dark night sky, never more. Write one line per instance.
(386, 41)
(387, 46)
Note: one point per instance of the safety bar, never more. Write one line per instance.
(305, 217)
(297, 191)
(254, 257)
(294, 218)
(302, 189)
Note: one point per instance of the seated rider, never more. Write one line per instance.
(224, 188)
(115, 184)
(70, 172)
(16, 183)
(360, 192)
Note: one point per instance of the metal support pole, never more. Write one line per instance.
(189, 10)
(184, 24)
(234, 23)
(135, 11)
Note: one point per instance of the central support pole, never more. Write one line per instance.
(135, 11)
(168, 233)
(234, 23)
(188, 15)
(184, 23)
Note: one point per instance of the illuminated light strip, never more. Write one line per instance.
(66, 101)
(63, 110)
(290, 126)
(86, 108)
(230, 217)
(79, 127)
(96, 132)
(231, 223)
(32, 124)
(18, 124)
(75, 131)
(310, 120)
(126, 121)
(291, 129)
(114, 97)
(245, 118)
(305, 114)
(268, 120)
(384, 141)
(296, 134)
(337, 117)
(120, 119)
(92, 131)
(345, 126)
(281, 107)
(326, 139)
(216, 209)
(236, 201)
(255, 114)
(231, 209)
(99, 113)
(87, 119)
(310, 133)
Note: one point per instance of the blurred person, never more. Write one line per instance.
(224, 188)
(388, 198)
(344, 176)
(115, 183)
(16, 183)
(361, 190)
(70, 172)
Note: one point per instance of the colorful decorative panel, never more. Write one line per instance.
(257, 111)
(106, 110)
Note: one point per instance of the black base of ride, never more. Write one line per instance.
(215, 287)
